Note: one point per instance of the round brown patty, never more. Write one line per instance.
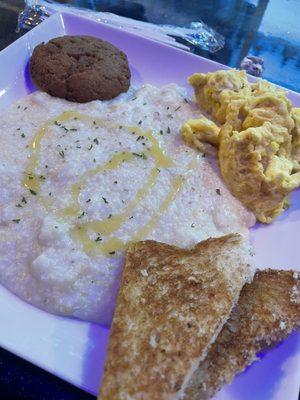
(80, 68)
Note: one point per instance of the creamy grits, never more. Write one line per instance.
(81, 181)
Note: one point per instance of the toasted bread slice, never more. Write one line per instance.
(267, 312)
(171, 306)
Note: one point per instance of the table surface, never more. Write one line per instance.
(266, 28)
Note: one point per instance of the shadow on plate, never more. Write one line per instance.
(266, 379)
(94, 358)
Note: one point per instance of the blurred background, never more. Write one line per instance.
(266, 28)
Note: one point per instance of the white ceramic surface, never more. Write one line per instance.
(75, 350)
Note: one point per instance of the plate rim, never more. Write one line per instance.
(63, 17)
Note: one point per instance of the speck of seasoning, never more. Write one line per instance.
(140, 122)
(57, 123)
(50, 194)
(170, 115)
(110, 215)
(98, 239)
(178, 108)
(286, 206)
(203, 155)
(104, 199)
(186, 100)
(18, 129)
(16, 221)
(90, 147)
(218, 191)
(158, 170)
(24, 200)
(88, 200)
(168, 108)
(96, 141)
(94, 160)
(55, 226)
(32, 192)
(94, 122)
(140, 138)
(81, 215)
(115, 182)
(134, 98)
(46, 166)
(61, 153)
(73, 129)
(161, 132)
(22, 135)
(19, 205)
(131, 217)
(120, 127)
(168, 130)
(19, 107)
(25, 108)
(112, 253)
(141, 155)
(193, 225)
(42, 178)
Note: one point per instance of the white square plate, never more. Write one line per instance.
(75, 350)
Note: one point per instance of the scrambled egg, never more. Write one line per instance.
(296, 138)
(201, 133)
(258, 142)
(215, 90)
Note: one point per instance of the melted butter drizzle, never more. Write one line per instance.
(74, 209)
(81, 232)
(155, 150)
(162, 161)
(31, 180)
(113, 244)
(108, 226)
(142, 233)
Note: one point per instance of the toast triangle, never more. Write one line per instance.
(171, 306)
(267, 312)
